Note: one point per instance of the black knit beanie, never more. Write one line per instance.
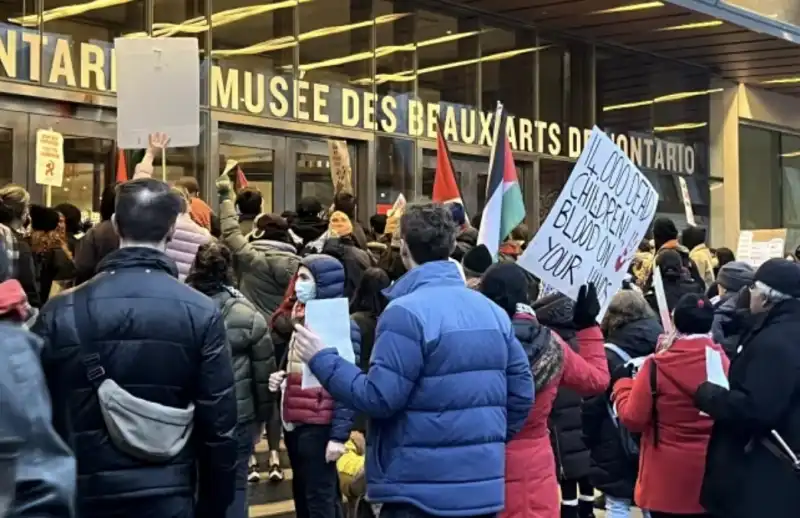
(506, 285)
(693, 315)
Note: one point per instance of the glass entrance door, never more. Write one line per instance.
(285, 169)
(89, 156)
(13, 147)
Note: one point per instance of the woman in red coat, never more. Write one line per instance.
(531, 485)
(674, 433)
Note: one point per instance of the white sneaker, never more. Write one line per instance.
(254, 476)
(275, 473)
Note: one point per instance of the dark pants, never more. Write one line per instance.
(409, 511)
(244, 436)
(577, 498)
(315, 483)
(656, 514)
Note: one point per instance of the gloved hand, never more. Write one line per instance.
(224, 186)
(706, 395)
(333, 451)
(587, 307)
(275, 380)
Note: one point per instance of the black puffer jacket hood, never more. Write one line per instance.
(466, 240)
(637, 338)
(572, 457)
(252, 354)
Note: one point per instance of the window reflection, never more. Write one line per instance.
(759, 178)
(19, 25)
(253, 55)
(447, 55)
(77, 46)
(313, 178)
(88, 164)
(258, 166)
(335, 51)
(394, 56)
(395, 160)
(517, 95)
(185, 19)
(6, 156)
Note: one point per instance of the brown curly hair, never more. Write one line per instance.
(43, 241)
(212, 268)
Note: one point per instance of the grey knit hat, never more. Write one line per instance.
(736, 275)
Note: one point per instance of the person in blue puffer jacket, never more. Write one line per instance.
(316, 425)
(448, 384)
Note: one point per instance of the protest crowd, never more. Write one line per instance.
(413, 365)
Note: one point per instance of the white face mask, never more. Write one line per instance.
(305, 290)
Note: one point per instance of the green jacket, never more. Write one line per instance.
(263, 268)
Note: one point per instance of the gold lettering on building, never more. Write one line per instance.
(93, 67)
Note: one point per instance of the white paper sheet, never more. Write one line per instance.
(330, 320)
(715, 372)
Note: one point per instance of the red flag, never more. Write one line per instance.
(122, 168)
(241, 181)
(445, 187)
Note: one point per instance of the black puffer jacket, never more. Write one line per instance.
(163, 341)
(611, 472)
(566, 429)
(252, 354)
(743, 479)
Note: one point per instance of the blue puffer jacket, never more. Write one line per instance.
(448, 385)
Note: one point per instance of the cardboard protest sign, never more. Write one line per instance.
(341, 172)
(49, 158)
(157, 91)
(596, 225)
(755, 247)
(687, 201)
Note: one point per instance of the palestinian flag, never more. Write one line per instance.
(445, 188)
(505, 208)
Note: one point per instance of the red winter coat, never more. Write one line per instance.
(670, 474)
(531, 485)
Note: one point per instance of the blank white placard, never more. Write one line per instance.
(158, 90)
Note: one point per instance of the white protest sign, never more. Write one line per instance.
(661, 301)
(49, 158)
(330, 320)
(594, 229)
(158, 90)
(687, 201)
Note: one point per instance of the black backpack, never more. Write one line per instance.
(628, 440)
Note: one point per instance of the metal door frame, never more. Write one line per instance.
(295, 145)
(17, 122)
(251, 138)
(104, 130)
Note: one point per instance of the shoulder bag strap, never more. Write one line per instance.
(90, 356)
(625, 357)
(654, 395)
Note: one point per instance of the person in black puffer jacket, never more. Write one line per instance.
(632, 326)
(566, 429)
(252, 354)
(676, 279)
(160, 340)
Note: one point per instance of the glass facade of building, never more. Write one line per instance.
(279, 77)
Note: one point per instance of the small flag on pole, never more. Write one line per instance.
(505, 207)
(445, 187)
(122, 167)
(241, 181)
